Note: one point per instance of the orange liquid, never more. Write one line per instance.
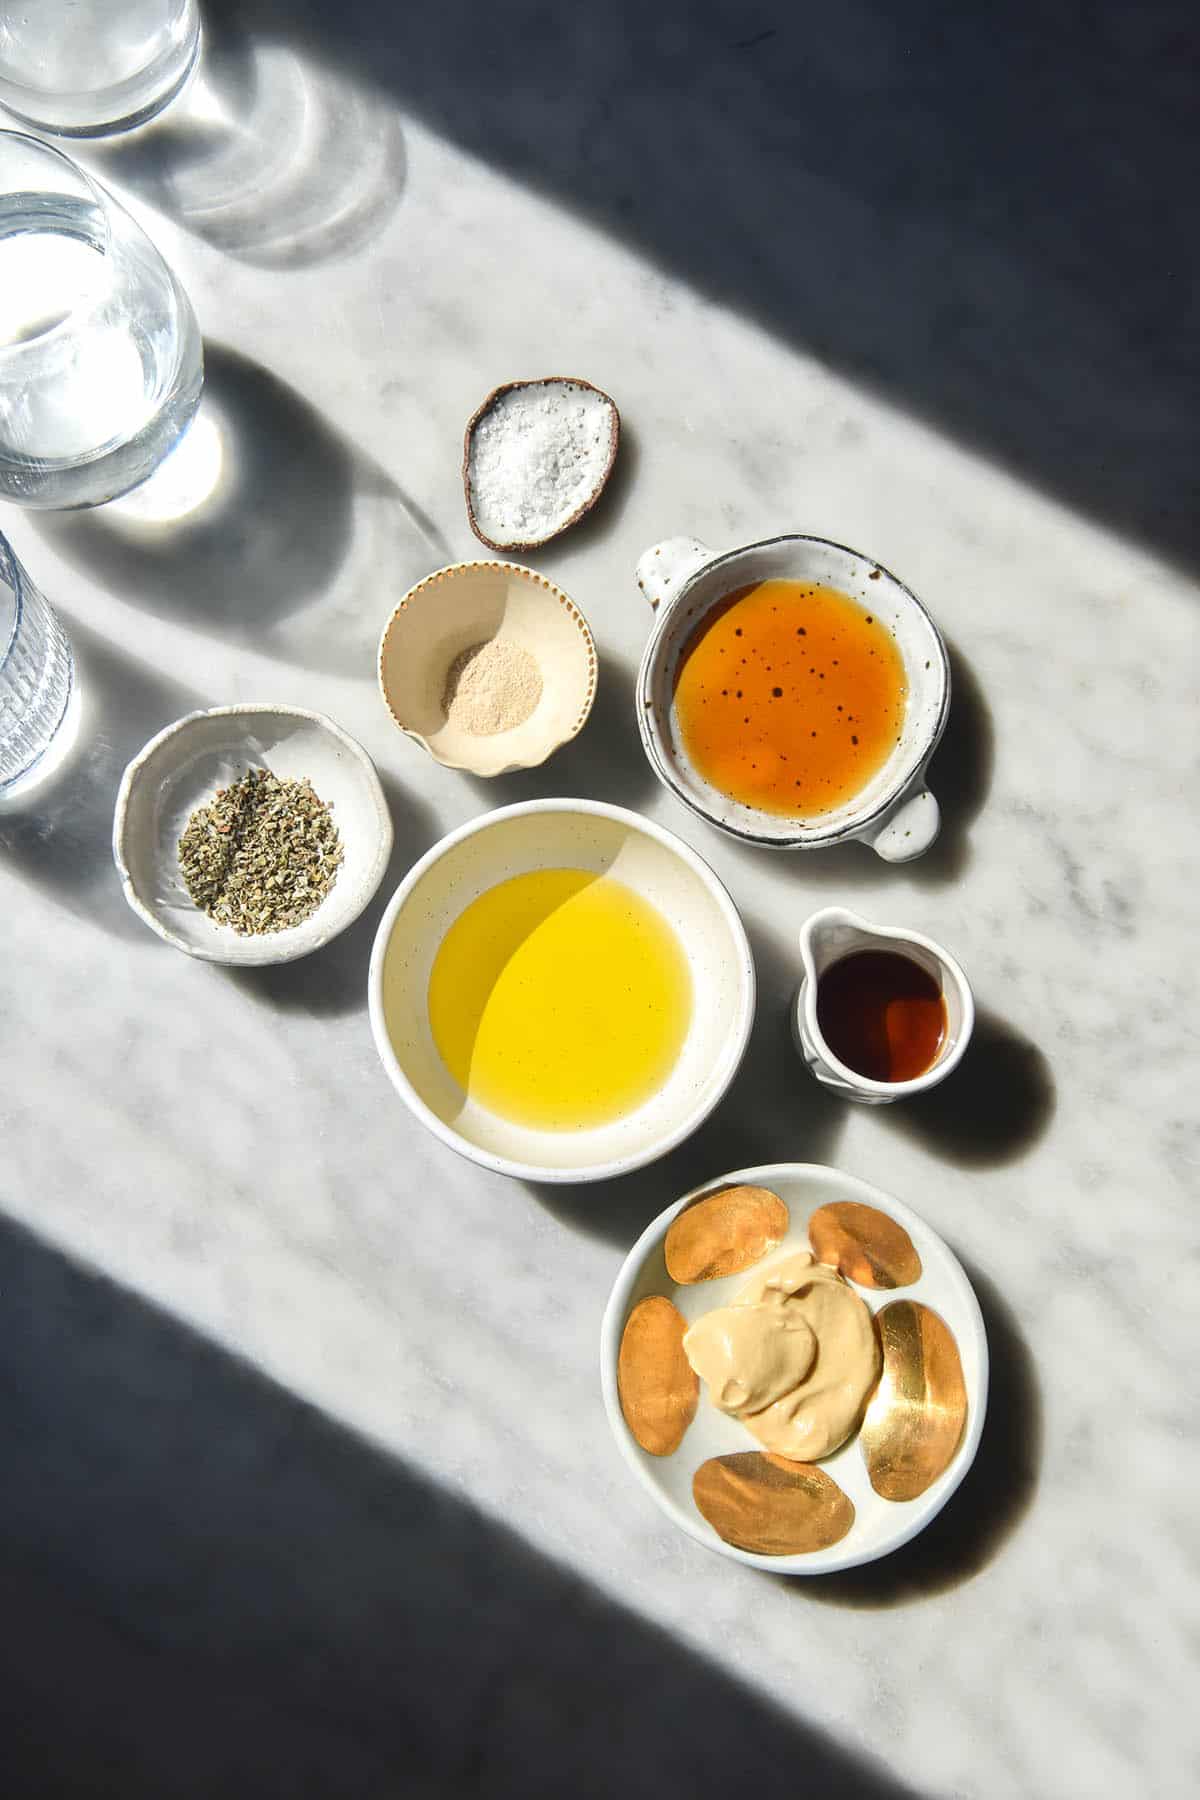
(882, 1014)
(789, 697)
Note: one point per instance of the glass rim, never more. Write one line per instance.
(185, 14)
(103, 200)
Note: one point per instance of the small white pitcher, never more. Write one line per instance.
(826, 938)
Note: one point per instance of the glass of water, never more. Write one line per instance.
(101, 364)
(87, 67)
(36, 675)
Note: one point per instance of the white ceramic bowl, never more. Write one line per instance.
(880, 1526)
(549, 834)
(471, 603)
(182, 768)
(895, 812)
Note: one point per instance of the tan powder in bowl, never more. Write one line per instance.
(491, 687)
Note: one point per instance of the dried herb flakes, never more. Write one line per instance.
(262, 855)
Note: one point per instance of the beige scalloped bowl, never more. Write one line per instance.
(472, 603)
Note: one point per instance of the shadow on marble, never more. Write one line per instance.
(993, 1108)
(213, 1588)
(960, 775)
(993, 1499)
(772, 1113)
(605, 762)
(965, 198)
(59, 839)
(268, 156)
(333, 981)
(280, 541)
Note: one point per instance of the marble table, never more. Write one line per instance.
(308, 1487)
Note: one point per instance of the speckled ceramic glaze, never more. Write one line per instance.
(548, 834)
(895, 812)
(880, 1526)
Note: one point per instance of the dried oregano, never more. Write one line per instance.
(262, 855)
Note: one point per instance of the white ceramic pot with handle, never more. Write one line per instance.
(894, 812)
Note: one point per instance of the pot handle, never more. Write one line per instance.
(664, 568)
(909, 828)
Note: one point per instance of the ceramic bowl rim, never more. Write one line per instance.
(924, 1509)
(652, 733)
(572, 607)
(740, 1031)
(806, 1004)
(134, 770)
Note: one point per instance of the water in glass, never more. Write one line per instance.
(86, 67)
(100, 357)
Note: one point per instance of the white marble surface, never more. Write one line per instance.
(216, 1590)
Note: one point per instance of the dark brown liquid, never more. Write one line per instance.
(881, 1014)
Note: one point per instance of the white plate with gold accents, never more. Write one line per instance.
(880, 1525)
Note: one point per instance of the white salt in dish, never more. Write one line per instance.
(459, 608)
(536, 458)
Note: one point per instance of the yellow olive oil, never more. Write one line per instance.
(560, 999)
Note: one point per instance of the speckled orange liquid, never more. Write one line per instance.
(790, 697)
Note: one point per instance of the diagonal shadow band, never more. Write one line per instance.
(282, 549)
(964, 204)
(266, 155)
(213, 1588)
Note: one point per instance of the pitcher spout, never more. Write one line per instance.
(829, 934)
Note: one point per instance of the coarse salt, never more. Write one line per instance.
(538, 456)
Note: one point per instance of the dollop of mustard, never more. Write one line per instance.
(794, 1357)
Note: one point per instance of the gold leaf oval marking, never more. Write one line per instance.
(724, 1234)
(658, 1388)
(770, 1506)
(915, 1419)
(864, 1245)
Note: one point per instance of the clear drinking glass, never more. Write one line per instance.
(86, 67)
(36, 674)
(101, 363)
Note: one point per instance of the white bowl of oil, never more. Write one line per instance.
(561, 991)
